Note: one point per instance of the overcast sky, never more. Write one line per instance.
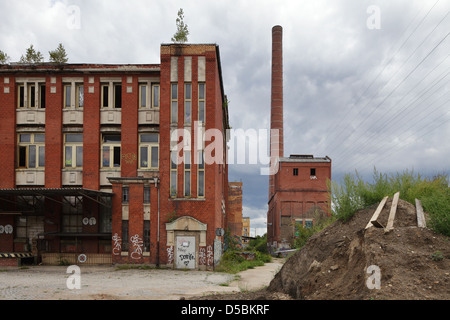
(365, 82)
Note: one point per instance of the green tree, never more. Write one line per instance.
(182, 29)
(32, 56)
(4, 58)
(58, 55)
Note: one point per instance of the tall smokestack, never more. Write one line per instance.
(276, 105)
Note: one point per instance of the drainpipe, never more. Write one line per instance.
(157, 232)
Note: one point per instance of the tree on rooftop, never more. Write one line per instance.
(32, 56)
(182, 29)
(4, 58)
(58, 55)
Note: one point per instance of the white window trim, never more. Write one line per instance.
(111, 84)
(204, 103)
(74, 146)
(111, 146)
(74, 92)
(27, 145)
(149, 146)
(28, 84)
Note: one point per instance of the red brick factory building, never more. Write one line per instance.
(86, 153)
(298, 194)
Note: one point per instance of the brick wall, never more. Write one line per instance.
(53, 133)
(129, 126)
(91, 132)
(8, 131)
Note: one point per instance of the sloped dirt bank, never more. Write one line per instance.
(413, 262)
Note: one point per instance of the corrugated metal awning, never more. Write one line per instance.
(54, 191)
(49, 193)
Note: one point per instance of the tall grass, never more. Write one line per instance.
(354, 194)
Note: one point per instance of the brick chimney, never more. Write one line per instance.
(276, 105)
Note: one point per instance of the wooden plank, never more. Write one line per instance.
(390, 223)
(421, 223)
(373, 221)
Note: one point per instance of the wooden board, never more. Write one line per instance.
(390, 223)
(373, 221)
(421, 223)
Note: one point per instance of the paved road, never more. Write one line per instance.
(105, 282)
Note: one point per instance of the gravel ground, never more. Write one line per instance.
(108, 283)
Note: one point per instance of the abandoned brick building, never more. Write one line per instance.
(86, 154)
(298, 194)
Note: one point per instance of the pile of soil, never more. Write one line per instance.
(414, 263)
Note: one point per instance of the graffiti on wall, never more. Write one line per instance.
(137, 243)
(116, 244)
(185, 252)
(170, 255)
(202, 256)
(209, 256)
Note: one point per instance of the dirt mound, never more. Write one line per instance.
(413, 262)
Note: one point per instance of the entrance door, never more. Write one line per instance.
(185, 252)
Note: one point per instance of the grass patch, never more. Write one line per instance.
(232, 262)
(133, 266)
(354, 194)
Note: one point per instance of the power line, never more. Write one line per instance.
(409, 74)
(394, 116)
(430, 124)
(404, 79)
(404, 42)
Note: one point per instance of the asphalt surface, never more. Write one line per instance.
(109, 283)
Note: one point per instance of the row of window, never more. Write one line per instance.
(126, 195)
(111, 95)
(31, 154)
(31, 150)
(187, 174)
(187, 103)
(312, 172)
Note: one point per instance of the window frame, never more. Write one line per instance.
(38, 146)
(74, 147)
(156, 85)
(202, 101)
(188, 103)
(200, 170)
(173, 103)
(173, 187)
(187, 172)
(111, 95)
(111, 146)
(28, 89)
(125, 195)
(73, 101)
(149, 152)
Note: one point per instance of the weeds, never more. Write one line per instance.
(232, 262)
(354, 194)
